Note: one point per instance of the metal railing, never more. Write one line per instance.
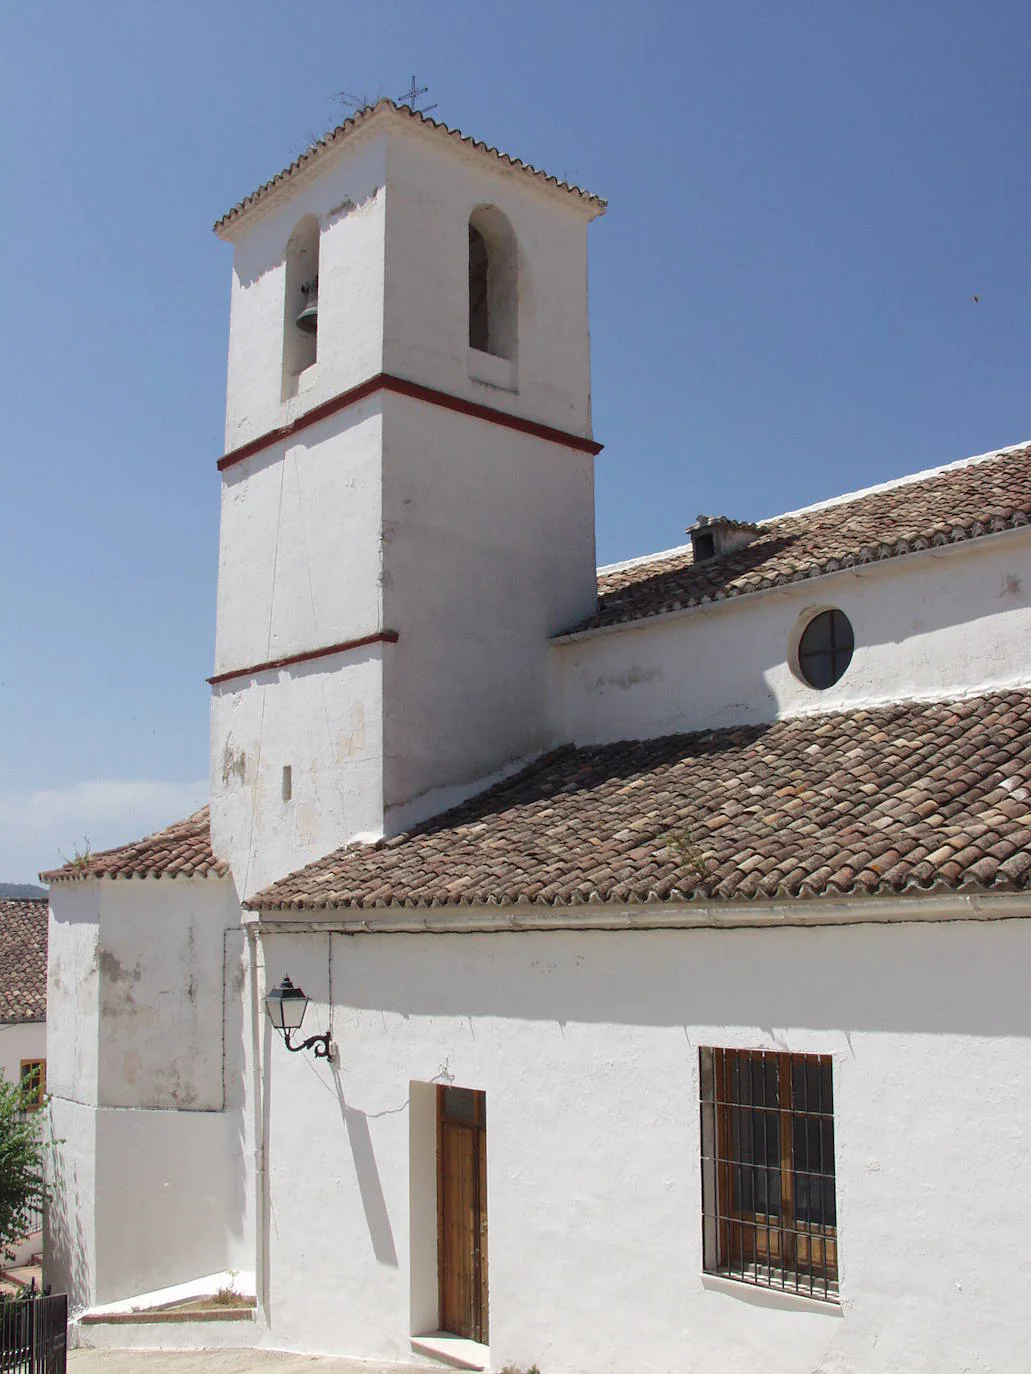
(34, 1334)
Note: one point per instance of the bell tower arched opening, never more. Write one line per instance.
(301, 303)
(493, 284)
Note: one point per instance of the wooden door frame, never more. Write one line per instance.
(480, 1282)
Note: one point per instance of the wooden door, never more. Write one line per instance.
(462, 1211)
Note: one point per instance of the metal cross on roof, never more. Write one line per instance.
(410, 97)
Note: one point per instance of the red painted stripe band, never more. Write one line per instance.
(380, 637)
(400, 387)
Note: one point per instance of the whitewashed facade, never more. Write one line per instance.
(401, 582)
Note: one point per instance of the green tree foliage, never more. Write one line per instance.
(22, 1149)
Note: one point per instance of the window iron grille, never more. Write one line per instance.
(768, 1199)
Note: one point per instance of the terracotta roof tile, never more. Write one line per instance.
(981, 497)
(399, 111)
(878, 801)
(23, 959)
(182, 850)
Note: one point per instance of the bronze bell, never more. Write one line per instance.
(308, 320)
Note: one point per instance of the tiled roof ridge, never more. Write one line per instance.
(825, 539)
(180, 850)
(908, 479)
(349, 125)
(828, 503)
(906, 797)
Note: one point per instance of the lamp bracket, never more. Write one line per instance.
(319, 1044)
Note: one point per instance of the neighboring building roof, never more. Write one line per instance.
(380, 111)
(23, 959)
(899, 798)
(968, 500)
(182, 850)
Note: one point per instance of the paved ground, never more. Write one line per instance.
(221, 1362)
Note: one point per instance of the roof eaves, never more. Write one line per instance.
(881, 552)
(364, 118)
(936, 902)
(896, 483)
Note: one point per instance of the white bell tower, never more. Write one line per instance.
(408, 497)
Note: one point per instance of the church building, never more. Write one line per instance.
(596, 969)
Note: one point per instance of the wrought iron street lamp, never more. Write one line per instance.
(286, 1006)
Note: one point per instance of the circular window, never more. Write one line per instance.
(825, 649)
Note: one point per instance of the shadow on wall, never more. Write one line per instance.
(66, 1264)
(960, 977)
(316, 977)
(366, 1170)
(235, 1100)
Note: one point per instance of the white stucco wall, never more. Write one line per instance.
(944, 623)
(432, 188)
(347, 198)
(300, 569)
(299, 547)
(73, 991)
(324, 721)
(69, 1222)
(171, 1195)
(587, 1048)
(488, 549)
(152, 1162)
(161, 1002)
(18, 1041)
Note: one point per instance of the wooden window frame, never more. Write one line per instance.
(775, 1248)
(33, 1096)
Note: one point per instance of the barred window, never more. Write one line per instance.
(768, 1207)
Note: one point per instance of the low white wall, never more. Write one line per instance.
(936, 624)
(24, 1040)
(200, 1336)
(587, 1048)
(168, 1186)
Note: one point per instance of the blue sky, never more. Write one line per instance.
(803, 198)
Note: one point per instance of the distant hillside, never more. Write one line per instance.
(21, 890)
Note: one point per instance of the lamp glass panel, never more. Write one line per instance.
(286, 1006)
(293, 1009)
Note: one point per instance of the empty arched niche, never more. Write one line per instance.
(493, 283)
(301, 305)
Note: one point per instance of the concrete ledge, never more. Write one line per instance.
(758, 1295)
(183, 1335)
(453, 1350)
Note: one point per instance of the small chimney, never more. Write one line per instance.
(712, 536)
